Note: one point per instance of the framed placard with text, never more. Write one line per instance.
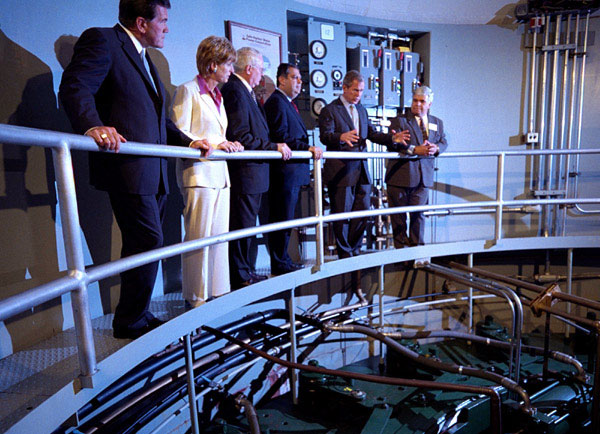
(265, 41)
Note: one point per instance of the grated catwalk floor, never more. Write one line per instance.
(29, 377)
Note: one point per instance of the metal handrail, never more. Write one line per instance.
(79, 278)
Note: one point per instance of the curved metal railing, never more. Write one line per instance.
(78, 277)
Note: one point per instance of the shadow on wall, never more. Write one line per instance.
(172, 233)
(28, 256)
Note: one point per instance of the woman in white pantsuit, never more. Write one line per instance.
(198, 110)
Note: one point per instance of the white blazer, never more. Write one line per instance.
(198, 117)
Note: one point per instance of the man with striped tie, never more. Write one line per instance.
(408, 180)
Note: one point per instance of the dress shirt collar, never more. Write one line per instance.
(423, 119)
(346, 103)
(243, 80)
(285, 94)
(136, 43)
(215, 94)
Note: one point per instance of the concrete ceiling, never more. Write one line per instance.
(497, 12)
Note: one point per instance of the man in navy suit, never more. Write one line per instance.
(111, 92)
(287, 177)
(345, 126)
(249, 178)
(408, 180)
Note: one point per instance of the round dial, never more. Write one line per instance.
(318, 78)
(336, 75)
(318, 105)
(318, 49)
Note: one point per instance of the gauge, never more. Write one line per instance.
(318, 49)
(318, 105)
(336, 75)
(318, 78)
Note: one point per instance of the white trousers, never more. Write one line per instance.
(206, 271)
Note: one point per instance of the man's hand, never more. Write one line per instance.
(203, 145)
(316, 151)
(285, 150)
(350, 137)
(401, 137)
(433, 148)
(426, 149)
(228, 146)
(106, 138)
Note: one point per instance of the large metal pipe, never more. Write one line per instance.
(495, 402)
(556, 355)
(513, 300)
(436, 364)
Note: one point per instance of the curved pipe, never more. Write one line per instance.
(496, 419)
(442, 366)
(242, 402)
(505, 292)
(556, 355)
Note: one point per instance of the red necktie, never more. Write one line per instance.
(295, 107)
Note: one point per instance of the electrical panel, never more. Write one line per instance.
(326, 62)
(409, 76)
(366, 60)
(390, 82)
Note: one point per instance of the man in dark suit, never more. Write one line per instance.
(111, 92)
(408, 180)
(287, 177)
(249, 178)
(345, 126)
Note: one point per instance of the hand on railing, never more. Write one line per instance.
(228, 146)
(203, 145)
(106, 138)
(285, 150)
(316, 151)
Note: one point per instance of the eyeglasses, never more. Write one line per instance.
(262, 70)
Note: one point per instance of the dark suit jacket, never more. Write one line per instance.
(246, 124)
(410, 172)
(334, 120)
(106, 83)
(286, 126)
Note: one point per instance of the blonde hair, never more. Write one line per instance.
(213, 49)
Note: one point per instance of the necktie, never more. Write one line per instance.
(354, 114)
(254, 96)
(295, 107)
(423, 129)
(145, 61)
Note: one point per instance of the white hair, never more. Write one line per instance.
(246, 56)
(424, 91)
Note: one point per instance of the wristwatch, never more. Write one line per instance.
(411, 150)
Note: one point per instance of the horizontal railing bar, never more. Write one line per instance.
(23, 136)
(35, 296)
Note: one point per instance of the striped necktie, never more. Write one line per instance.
(423, 129)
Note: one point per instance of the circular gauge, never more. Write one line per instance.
(318, 78)
(336, 75)
(318, 105)
(318, 49)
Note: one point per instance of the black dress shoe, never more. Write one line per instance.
(288, 268)
(252, 280)
(127, 333)
(257, 277)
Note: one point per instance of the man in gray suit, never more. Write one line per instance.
(408, 180)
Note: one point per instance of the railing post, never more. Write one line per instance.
(65, 185)
(293, 345)
(499, 196)
(318, 196)
(470, 293)
(189, 372)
